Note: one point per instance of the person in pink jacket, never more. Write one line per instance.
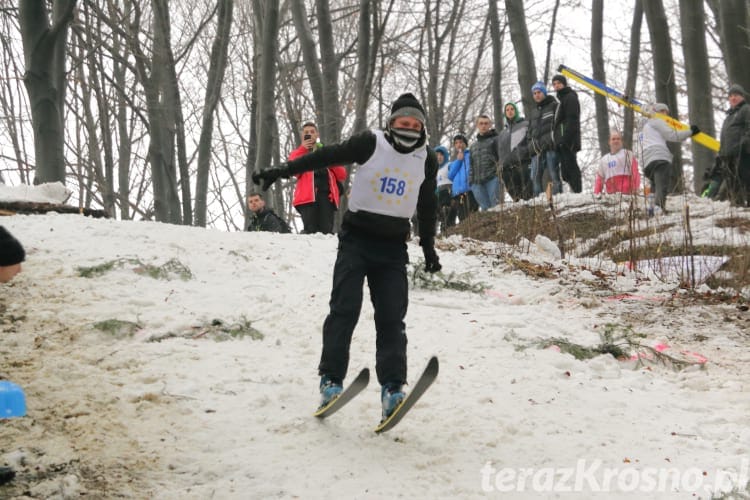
(317, 194)
(618, 170)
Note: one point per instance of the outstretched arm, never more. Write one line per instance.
(357, 149)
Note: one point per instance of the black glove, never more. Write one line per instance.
(431, 261)
(694, 129)
(269, 176)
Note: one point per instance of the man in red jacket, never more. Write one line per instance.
(317, 194)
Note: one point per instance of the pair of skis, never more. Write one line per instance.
(360, 382)
(634, 104)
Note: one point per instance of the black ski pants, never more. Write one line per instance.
(383, 263)
(569, 169)
(659, 174)
(317, 217)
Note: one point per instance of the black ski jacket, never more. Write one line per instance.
(358, 149)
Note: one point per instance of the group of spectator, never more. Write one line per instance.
(526, 152)
(516, 158)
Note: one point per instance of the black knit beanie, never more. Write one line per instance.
(407, 105)
(561, 79)
(11, 251)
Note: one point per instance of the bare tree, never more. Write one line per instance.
(633, 63)
(324, 77)
(12, 100)
(735, 39)
(372, 24)
(664, 74)
(268, 12)
(438, 33)
(550, 40)
(44, 45)
(519, 35)
(496, 34)
(218, 63)
(597, 64)
(698, 75)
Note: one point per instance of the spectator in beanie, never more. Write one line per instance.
(733, 163)
(539, 137)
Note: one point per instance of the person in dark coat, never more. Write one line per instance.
(568, 132)
(540, 140)
(263, 218)
(396, 174)
(11, 256)
(513, 154)
(733, 163)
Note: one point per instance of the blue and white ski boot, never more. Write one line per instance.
(329, 390)
(391, 395)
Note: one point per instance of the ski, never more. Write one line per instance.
(423, 383)
(634, 104)
(357, 385)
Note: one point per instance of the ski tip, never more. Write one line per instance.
(433, 363)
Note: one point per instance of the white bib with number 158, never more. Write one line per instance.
(388, 183)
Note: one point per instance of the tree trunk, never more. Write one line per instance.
(497, 65)
(329, 61)
(44, 54)
(365, 59)
(519, 35)
(735, 38)
(181, 213)
(597, 64)
(633, 62)
(266, 83)
(161, 129)
(551, 38)
(698, 75)
(666, 88)
(124, 135)
(324, 77)
(437, 32)
(218, 64)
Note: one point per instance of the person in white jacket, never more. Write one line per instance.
(656, 154)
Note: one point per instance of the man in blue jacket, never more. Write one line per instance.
(458, 172)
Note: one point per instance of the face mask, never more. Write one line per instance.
(405, 137)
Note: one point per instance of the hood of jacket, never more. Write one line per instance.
(446, 155)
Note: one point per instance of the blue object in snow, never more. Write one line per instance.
(12, 400)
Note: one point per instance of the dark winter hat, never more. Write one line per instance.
(736, 88)
(561, 79)
(11, 251)
(540, 87)
(407, 105)
(461, 137)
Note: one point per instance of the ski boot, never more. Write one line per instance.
(329, 390)
(391, 395)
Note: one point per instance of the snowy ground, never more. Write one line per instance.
(174, 410)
